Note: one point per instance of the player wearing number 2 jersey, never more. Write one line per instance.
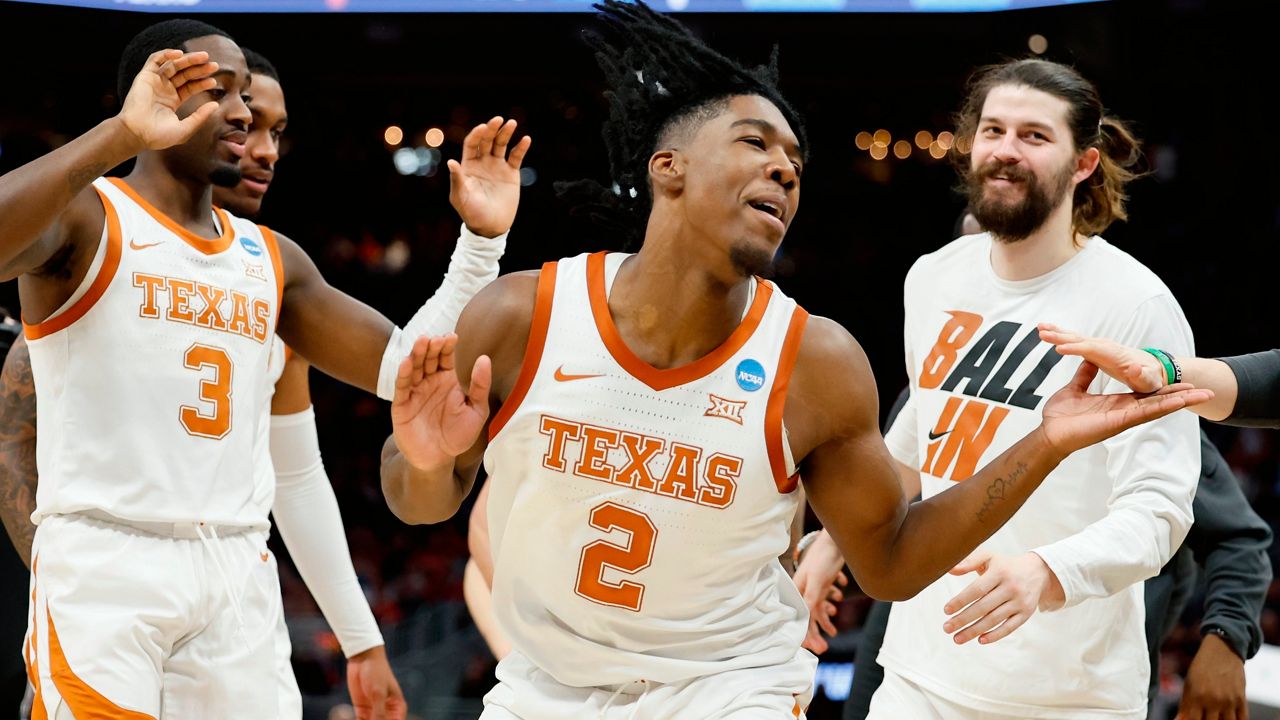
(151, 319)
(651, 410)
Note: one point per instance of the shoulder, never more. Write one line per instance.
(1127, 276)
(498, 322)
(833, 390)
(961, 251)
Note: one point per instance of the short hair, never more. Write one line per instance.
(169, 34)
(1099, 200)
(662, 80)
(259, 64)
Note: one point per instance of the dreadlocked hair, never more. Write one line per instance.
(662, 78)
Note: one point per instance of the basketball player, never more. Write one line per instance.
(1046, 174)
(1247, 387)
(643, 483)
(152, 591)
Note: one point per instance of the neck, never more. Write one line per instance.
(1051, 245)
(187, 202)
(679, 298)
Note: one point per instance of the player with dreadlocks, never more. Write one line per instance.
(651, 411)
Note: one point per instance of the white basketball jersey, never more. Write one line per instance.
(636, 514)
(152, 377)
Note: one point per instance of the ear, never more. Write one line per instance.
(1086, 164)
(666, 170)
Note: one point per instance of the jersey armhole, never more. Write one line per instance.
(780, 461)
(532, 349)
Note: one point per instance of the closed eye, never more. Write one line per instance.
(758, 142)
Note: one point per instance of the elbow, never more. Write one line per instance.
(888, 589)
(413, 509)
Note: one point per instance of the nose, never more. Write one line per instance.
(1006, 150)
(263, 149)
(238, 112)
(781, 171)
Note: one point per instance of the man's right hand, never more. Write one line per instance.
(433, 420)
(167, 80)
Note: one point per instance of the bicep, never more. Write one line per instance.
(311, 312)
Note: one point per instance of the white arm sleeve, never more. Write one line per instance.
(473, 265)
(306, 513)
(1154, 470)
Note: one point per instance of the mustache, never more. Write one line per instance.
(1016, 173)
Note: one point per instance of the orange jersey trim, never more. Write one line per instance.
(110, 263)
(532, 349)
(33, 663)
(778, 400)
(85, 702)
(206, 246)
(273, 249)
(664, 378)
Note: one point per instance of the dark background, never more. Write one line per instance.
(1193, 77)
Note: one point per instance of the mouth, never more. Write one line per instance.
(234, 141)
(256, 182)
(773, 210)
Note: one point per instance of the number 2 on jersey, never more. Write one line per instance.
(628, 559)
(215, 390)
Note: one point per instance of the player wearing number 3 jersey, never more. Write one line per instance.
(651, 411)
(151, 318)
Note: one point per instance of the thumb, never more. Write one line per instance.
(976, 562)
(1084, 375)
(192, 122)
(455, 177)
(481, 379)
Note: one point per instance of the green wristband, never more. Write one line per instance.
(1170, 375)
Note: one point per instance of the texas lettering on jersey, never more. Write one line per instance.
(691, 474)
(982, 387)
(197, 303)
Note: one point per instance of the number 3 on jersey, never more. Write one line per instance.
(629, 559)
(215, 390)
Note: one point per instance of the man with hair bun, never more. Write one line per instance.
(1058, 589)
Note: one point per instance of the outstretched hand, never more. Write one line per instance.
(1136, 368)
(167, 80)
(432, 419)
(485, 186)
(1074, 418)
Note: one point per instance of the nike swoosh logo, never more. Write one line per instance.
(933, 436)
(264, 556)
(133, 244)
(561, 376)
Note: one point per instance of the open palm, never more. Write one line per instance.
(432, 419)
(484, 188)
(1074, 418)
(168, 79)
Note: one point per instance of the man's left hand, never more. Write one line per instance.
(1214, 688)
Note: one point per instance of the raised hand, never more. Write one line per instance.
(167, 80)
(485, 186)
(1138, 369)
(1074, 418)
(432, 419)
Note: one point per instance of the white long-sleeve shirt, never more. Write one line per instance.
(1107, 518)
(297, 489)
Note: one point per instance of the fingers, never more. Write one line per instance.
(517, 154)
(195, 88)
(989, 621)
(455, 177)
(842, 579)
(1084, 375)
(975, 612)
(379, 698)
(471, 144)
(484, 134)
(502, 138)
(970, 594)
(160, 57)
(410, 371)
(1005, 629)
(976, 562)
(823, 617)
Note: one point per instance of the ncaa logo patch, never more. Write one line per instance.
(750, 375)
(251, 246)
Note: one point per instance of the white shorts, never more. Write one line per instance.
(128, 624)
(779, 692)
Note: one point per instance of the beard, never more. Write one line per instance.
(749, 260)
(225, 175)
(1013, 221)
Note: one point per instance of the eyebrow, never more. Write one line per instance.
(768, 127)
(1032, 124)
